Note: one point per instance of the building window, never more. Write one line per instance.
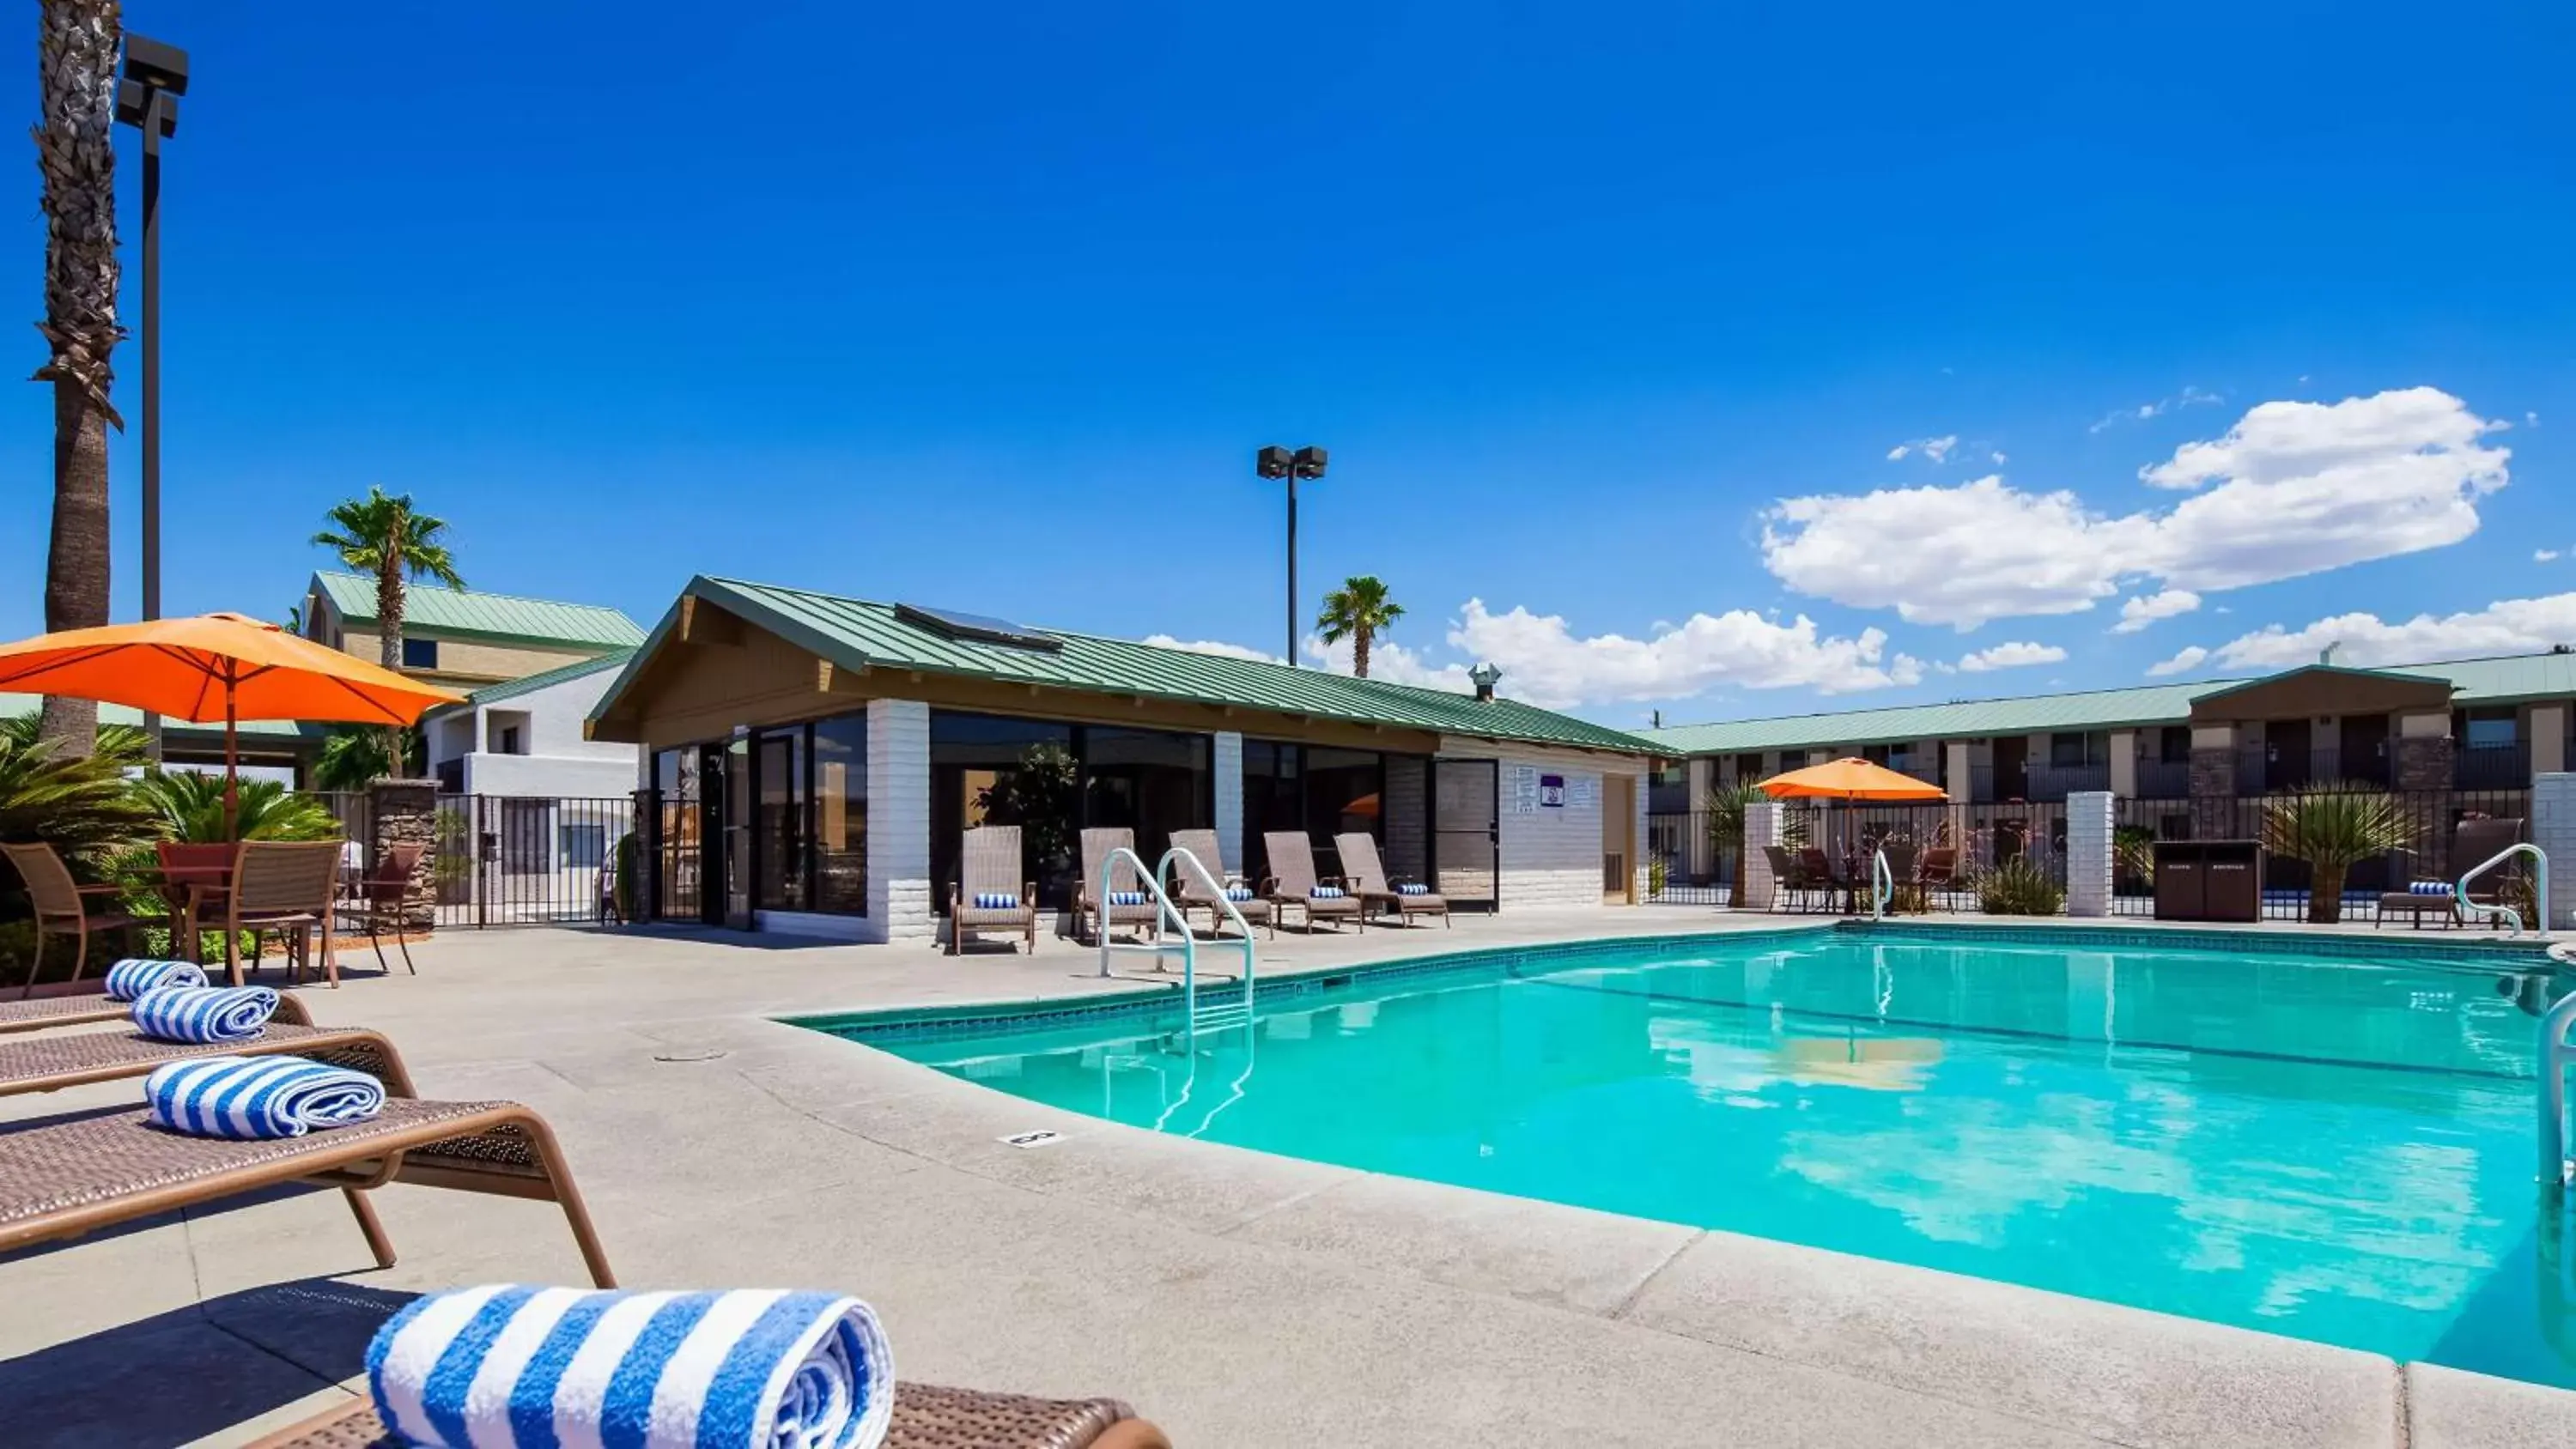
(778, 820)
(510, 740)
(2174, 745)
(2068, 751)
(419, 653)
(675, 781)
(2491, 728)
(581, 847)
(841, 815)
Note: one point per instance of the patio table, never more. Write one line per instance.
(185, 889)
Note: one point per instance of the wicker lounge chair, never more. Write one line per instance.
(286, 886)
(1369, 882)
(1193, 892)
(1293, 882)
(2472, 844)
(86, 1007)
(1098, 844)
(72, 1059)
(61, 907)
(925, 1417)
(989, 865)
(65, 1176)
(382, 898)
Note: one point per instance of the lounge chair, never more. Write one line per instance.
(1128, 903)
(87, 1007)
(1293, 882)
(382, 897)
(67, 1176)
(286, 886)
(925, 1417)
(2473, 842)
(62, 906)
(1247, 902)
(988, 870)
(71, 1059)
(1369, 882)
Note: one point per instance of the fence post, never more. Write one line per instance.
(405, 812)
(2088, 853)
(1762, 826)
(2553, 829)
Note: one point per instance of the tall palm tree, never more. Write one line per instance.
(1357, 611)
(382, 534)
(76, 48)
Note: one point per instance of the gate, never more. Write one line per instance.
(1466, 830)
(527, 860)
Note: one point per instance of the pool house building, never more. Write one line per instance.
(812, 762)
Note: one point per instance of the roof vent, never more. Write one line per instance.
(975, 628)
(1485, 676)
(2327, 654)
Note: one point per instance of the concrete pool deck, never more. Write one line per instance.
(1237, 1298)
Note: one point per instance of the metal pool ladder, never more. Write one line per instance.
(2472, 910)
(1882, 884)
(1217, 1016)
(2556, 1055)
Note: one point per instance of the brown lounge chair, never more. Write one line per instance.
(989, 864)
(382, 898)
(61, 907)
(2472, 844)
(1293, 882)
(1360, 867)
(85, 1007)
(1202, 845)
(63, 1177)
(925, 1417)
(49, 1063)
(286, 886)
(1098, 844)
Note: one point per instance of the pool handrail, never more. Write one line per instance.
(1164, 910)
(2473, 910)
(1216, 1017)
(2556, 1054)
(1882, 883)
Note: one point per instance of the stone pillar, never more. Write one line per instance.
(405, 812)
(2124, 764)
(2553, 829)
(1405, 812)
(2213, 783)
(2088, 853)
(2426, 775)
(1762, 826)
(1699, 853)
(899, 885)
(1227, 763)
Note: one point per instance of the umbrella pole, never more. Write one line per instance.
(232, 761)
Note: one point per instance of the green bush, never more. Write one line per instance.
(2018, 888)
(191, 808)
(628, 856)
(2334, 827)
(81, 806)
(1658, 875)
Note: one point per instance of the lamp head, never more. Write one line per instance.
(157, 66)
(1309, 462)
(1272, 462)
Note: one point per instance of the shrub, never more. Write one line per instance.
(1658, 875)
(82, 805)
(629, 857)
(2332, 827)
(2018, 887)
(191, 808)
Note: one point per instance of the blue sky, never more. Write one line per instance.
(989, 306)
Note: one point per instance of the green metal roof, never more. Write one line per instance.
(490, 616)
(513, 688)
(2477, 681)
(855, 633)
(266, 731)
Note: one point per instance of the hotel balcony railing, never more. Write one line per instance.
(2164, 780)
(2492, 767)
(2056, 782)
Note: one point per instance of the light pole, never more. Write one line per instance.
(1277, 462)
(156, 75)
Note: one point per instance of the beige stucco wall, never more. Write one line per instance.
(469, 659)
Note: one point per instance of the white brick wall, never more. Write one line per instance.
(1553, 856)
(2088, 853)
(2553, 829)
(1763, 825)
(899, 905)
(1227, 762)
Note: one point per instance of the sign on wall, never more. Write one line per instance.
(1551, 792)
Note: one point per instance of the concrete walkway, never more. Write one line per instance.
(1237, 1298)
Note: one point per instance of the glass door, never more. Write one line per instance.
(739, 820)
(1466, 830)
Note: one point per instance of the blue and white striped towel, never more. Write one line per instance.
(1126, 898)
(2428, 888)
(507, 1366)
(205, 1014)
(245, 1098)
(997, 900)
(130, 978)
(1413, 888)
(1326, 893)
(1238, 893)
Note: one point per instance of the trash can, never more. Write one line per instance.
(2182, 887)
(2209, 880)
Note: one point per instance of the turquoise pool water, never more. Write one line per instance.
(2337, 1149)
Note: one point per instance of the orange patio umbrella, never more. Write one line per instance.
(1849, 779)
(210, 667)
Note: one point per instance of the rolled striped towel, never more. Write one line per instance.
(130, 978)
(997, 900)
(204, 1014)
(1126, 898)
(504, 1366)
(1413, 888)
(1326, 893)
(1238, 893)
(2428, 888)
(258, 1097)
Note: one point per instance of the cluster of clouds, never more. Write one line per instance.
(2507, 626)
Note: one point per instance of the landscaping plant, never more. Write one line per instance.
(2019, 887)
(2334, 827)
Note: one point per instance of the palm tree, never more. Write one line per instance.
(76, 48)
(1357, 611)
(382, 534)
(2334, 826)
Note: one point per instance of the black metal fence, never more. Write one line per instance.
(1692, 860)
(2425, 819)
(510, 860)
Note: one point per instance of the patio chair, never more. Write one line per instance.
(1902, 856)
(2473, 843)
(1293, 882)
(1789, 878)
(925, 1417)
(989, 894)
(192, 873)
(62, 905)
(286, 886)
(89, 1007)
(1247, 902)
(382, 897)
(1128, 904)
(1936, 870)
(72, 1059)
(63, 1177)
(1369, 882)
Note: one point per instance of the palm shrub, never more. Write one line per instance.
(2332, 827)
(191, 809)
(2019, 887)
(80, 804)
(1728, 807)
(2133, 853)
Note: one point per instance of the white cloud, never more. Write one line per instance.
(1213, 646)
(2142, 610)
(1998, 455)
(2508, 626)
(1937, 449)
(2544, 555)
(2011, 656)
(2188, 397)
(1899, 451)
(2191, 657)
(1392, 661)
(2292, 489)
(1545, 662)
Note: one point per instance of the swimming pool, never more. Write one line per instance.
(2333, 1147)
